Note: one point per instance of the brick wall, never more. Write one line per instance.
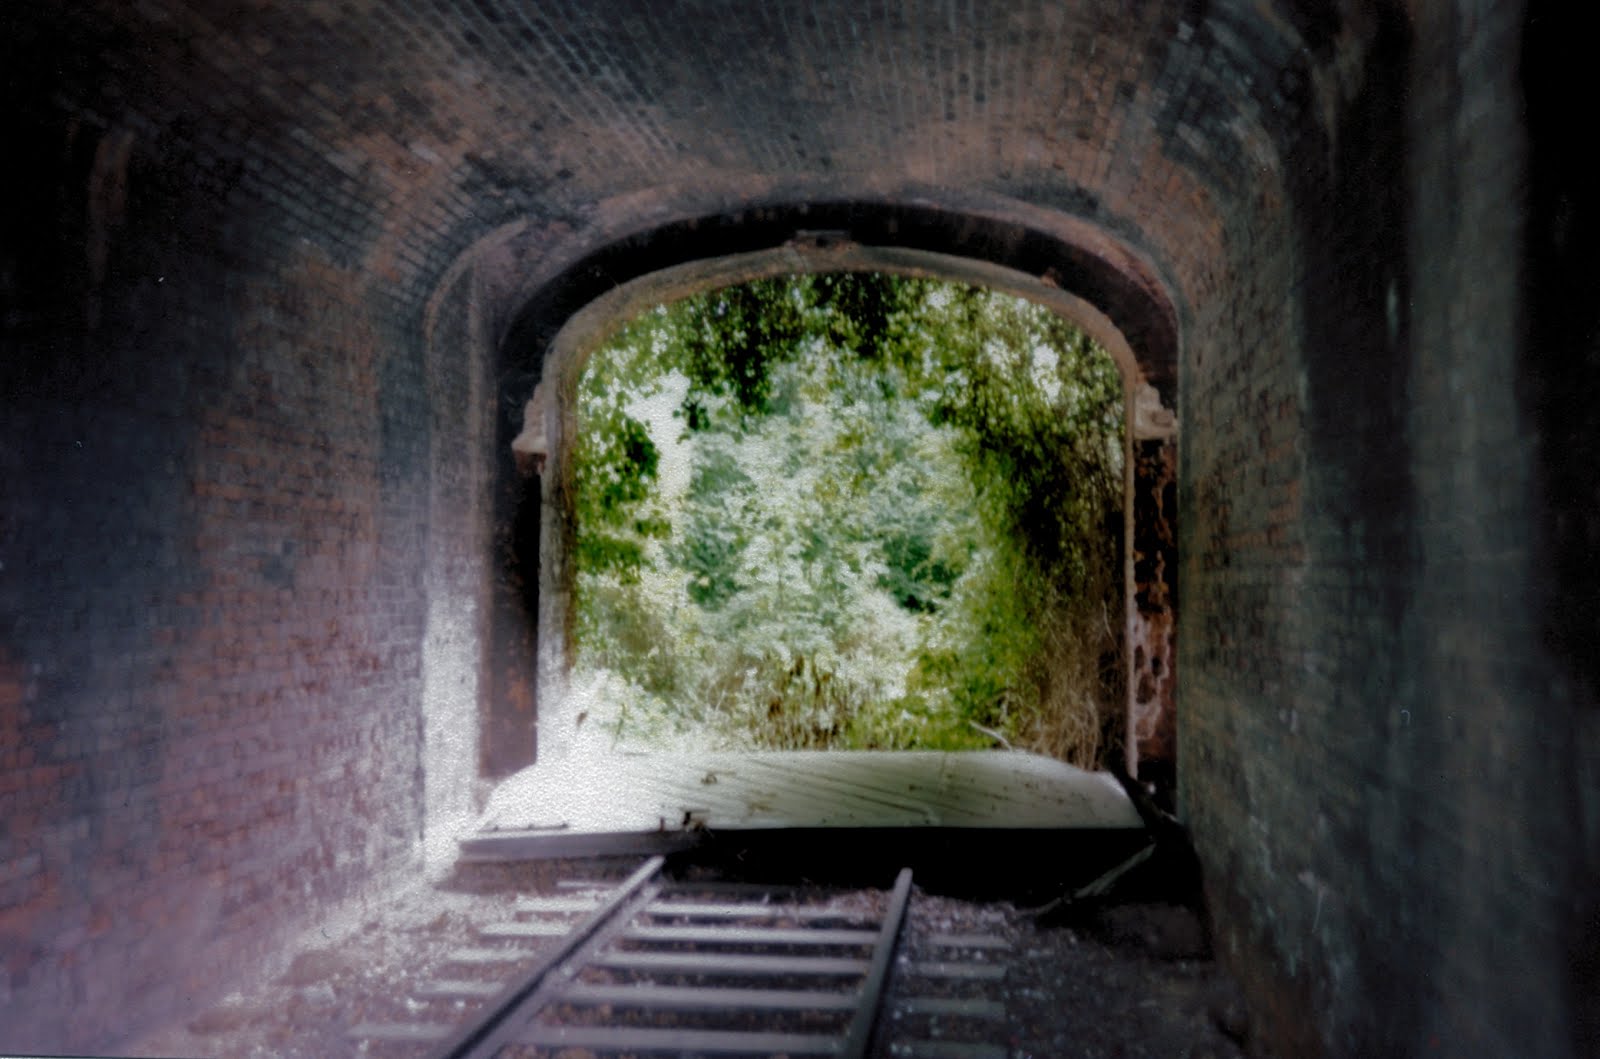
(215, 507)
(1153, 576)
(1375, 750)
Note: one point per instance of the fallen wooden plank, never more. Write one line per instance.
(764, 789)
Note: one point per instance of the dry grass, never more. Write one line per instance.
(1076, 684)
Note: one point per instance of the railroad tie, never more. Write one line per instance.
(684, 963)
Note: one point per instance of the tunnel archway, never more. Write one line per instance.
(1096, 283)
(263, 268)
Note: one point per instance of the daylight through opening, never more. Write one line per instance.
(849, 511)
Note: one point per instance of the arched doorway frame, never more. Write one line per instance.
(1094, 281)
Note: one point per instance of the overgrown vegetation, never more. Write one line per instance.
(851, 510)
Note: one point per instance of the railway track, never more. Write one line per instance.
(663, 966)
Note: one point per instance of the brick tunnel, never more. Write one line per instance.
(278, 280)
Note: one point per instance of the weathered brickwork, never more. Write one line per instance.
(1367, 717)
(212, 549)
(274, 282)
(1152, 669)
(458, 564)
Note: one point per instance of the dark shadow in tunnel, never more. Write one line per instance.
(1562, 378)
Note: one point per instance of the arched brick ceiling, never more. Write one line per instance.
(393, 135)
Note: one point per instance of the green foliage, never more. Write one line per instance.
(711, 545)
(881, 513)
(616, 468)
(729, 341)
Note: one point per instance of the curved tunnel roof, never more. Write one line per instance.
(1143, 145)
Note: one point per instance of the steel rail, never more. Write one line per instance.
(491, 1030)
(866, 1016)
(513, 1016)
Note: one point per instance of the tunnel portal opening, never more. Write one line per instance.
(846, 511)
(565, 320)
